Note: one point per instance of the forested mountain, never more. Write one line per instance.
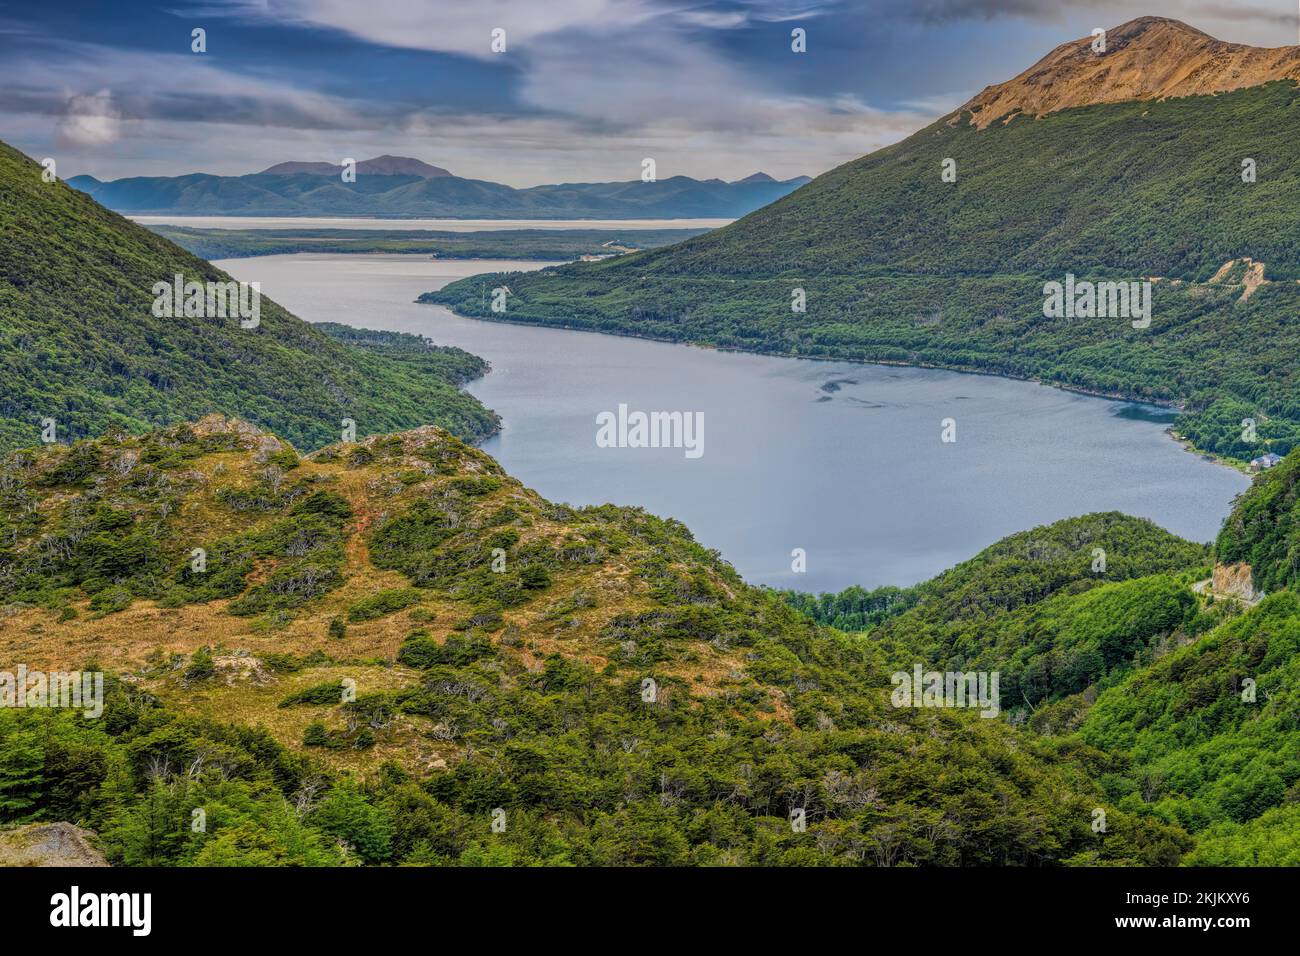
(899, 263)
(398, 187)
(1056, 609)
(80, 344)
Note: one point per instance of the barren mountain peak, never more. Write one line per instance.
(1146, 58)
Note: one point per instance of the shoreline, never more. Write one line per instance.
(1186, 444)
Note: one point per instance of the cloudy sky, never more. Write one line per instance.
(583, 90)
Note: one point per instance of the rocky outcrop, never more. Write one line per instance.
(1234, 580)
(49, 844)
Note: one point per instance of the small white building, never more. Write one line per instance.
(1264, 462)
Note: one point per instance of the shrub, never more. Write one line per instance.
(111, 600)
(330, 692)
(383, 602)
(316, 735)
(201, 666)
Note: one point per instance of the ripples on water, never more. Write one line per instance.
(842, 460)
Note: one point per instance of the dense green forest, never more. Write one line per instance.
(900, 266)
(1209, 752)
(517, 694)
(79, 343)
(543, 244)
(853, 609)
(1033, 607)
(1200, 699)
(581, 775)
(1264, 529)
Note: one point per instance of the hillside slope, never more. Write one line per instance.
(594, 677)
(1211, 732)
(79, 342)
(1055, 609)
(1264, 528)
(1196, 700)
(898, 265)
(426, 647)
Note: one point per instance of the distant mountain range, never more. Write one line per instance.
(379, 166)
(401, 187)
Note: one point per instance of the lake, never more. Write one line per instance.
(844, 461)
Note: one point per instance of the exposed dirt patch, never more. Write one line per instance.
(49, 844)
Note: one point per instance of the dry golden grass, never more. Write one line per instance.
(151, 644)
(405, 739)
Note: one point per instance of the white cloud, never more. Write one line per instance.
(89, 121)
(626, 83)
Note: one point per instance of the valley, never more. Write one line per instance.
(848, 463)
(682, 522)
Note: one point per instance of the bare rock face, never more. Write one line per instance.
(49, 844)
(1234, 580)
(1147, 58)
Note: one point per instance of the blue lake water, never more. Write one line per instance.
(844, 461)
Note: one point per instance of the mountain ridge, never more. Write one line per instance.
(401, 187)
(386, 165)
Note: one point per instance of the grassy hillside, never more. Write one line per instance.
(899, 266)
(500, 647)
(79, 343)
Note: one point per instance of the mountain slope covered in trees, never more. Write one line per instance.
(610, 687)
(1264, 529)
(426, 647)
(897, 264)
(80, 345)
